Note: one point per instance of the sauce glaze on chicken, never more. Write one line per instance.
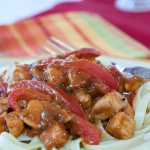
(64, 97)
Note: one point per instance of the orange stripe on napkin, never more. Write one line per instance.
(79, 29)
(9, 44)
(19, 38)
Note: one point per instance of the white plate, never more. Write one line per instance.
(120, 61)
(4, 67)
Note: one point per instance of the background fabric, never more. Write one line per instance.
(79, 29)
(135, 25)
(94, 23)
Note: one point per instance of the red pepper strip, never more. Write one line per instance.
(45, 61)
(83, 53)
(91, 68)
(42, 63)
(25, 94)
(89, 132)
(50, 89)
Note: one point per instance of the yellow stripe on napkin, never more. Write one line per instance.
(79, 29)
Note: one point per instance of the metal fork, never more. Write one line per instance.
(55, 46)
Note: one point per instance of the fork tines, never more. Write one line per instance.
(55, 46)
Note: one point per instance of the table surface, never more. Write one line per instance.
(136, 25)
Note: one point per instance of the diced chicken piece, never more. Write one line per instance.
(2, 122)
(134, 83)
(37, 74)
(14, 124)
(3, 105)
(129, 110)
(55, 75)
(121, 126)
(55, 136)
(101, 87)
(39, 114)
(32, 115)
(78, 79)
(23, 103)
(82, 97)
(17, 72)
(58, 114)
(108, 105)
(72, 57)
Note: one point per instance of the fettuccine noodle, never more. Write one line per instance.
(141, 106)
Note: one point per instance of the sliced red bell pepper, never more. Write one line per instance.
(45, 61)
(89, 132)
(83, 53)
(49, 88)
(42, 63)
(91, 68)
(25, 94)
(86, 53)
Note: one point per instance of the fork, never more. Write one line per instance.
(55, 46)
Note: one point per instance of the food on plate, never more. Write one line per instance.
(71, 100)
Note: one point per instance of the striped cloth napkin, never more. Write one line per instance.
(79, 29)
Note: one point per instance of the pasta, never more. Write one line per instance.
(73, 102)
(10, 142)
